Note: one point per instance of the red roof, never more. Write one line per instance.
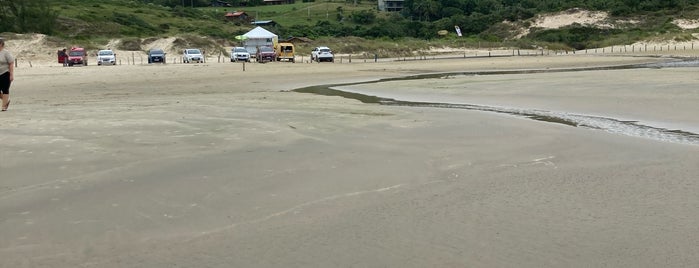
(235, 14)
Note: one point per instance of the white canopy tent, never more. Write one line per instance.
(258, 37)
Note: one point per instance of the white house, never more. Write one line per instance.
(390, 5)
(259, 37)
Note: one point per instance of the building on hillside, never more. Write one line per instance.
(278, 2)
(390, 5)
(219, 3)
(264, 23)
(239, 16)
(297, 40)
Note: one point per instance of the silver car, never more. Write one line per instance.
(105, 57)
(192, 55)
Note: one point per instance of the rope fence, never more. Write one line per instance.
(642, 49)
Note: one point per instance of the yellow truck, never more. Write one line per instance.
(285, 51)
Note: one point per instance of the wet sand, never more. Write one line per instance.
(206, 165)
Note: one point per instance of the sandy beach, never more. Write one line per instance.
(210, 165)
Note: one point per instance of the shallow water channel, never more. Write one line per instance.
(611, 125)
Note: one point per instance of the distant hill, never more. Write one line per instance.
(518, 23)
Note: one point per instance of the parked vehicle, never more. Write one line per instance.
(239, 54)
(77, 55)
(106, 57)
(265, 54)
(62, 57)
(252, 50)
(285, 51)
(322, 54)
(156, 55)
(192, 55)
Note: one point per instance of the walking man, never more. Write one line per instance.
(7, 69)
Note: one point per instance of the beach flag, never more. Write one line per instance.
(458, 30)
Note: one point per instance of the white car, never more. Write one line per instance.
(322, 54)
(105, 57)
(240, 54)
(192, 55)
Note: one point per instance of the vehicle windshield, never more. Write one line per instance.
(240, 49)
(325, 50)
(193, 51)
(75, 53)
(156, 51)
(106, 53)
(266, 49)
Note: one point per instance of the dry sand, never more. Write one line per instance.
(207, 165)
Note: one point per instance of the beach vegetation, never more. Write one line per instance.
(480, 21)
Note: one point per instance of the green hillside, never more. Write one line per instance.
(84, 19)
(482, 21)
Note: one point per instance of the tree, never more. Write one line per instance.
(426, 10)
(27, 16)
(363, 16)
(340, 15)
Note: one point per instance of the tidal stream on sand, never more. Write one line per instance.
(611, 125)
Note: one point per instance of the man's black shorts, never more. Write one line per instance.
(5, 83)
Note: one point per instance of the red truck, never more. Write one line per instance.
(77, 55)
(265, 54)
